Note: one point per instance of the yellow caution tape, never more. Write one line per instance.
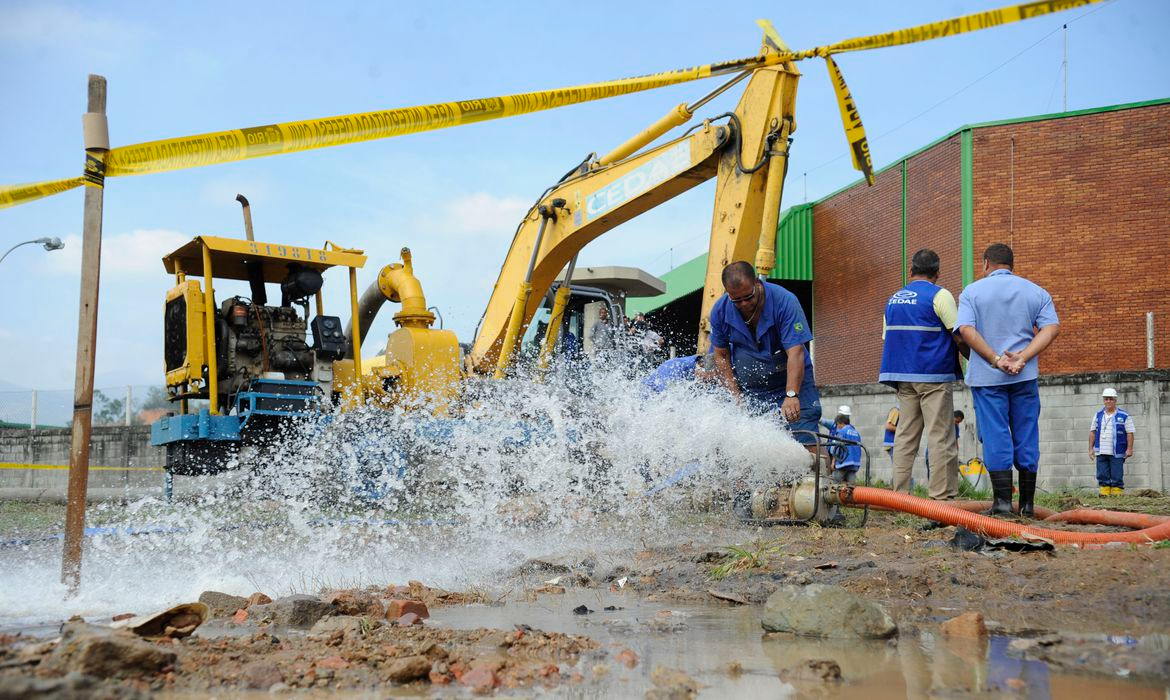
(290, 137)
(956, 25)
(854, 131)
(19, 465)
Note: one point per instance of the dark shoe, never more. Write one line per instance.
(1027, 493)
(1001, 487)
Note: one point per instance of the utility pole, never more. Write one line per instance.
(1064, 70)
(97, 143)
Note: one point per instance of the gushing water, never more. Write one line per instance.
(386, 495)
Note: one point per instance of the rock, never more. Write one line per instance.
(820, 670)
(354, 602)
(969, 625)
(106, 653)
(121, 616)
(480, 679)
(258, 598)
(408, 619)
(400, 606)
(600, 671)
(296, 611)
(550, 589)
(819, 610)
(240, 617)
(582, 610)
(333, 663)
(408, 668)
(673, 684)
(627, 657)
(347, 625)
(73, 685)
(222, 604)
(261, 675)
(541, 566)
(440, 673)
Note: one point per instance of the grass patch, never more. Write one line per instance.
(25, 518)
(744, 558)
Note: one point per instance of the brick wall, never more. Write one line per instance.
(1084, 201)
(1085, 205)
(857, 258)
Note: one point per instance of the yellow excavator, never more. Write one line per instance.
(745, 150)
(255, 364)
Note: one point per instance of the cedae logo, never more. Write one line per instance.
(904, 296)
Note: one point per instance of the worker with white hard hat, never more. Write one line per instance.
(1111, 439)
(846, 458)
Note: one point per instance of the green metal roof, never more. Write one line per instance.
(680, 282)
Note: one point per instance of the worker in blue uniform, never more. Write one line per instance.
(760, 336)
(675, 370)
(846, 458)
(1007, 321)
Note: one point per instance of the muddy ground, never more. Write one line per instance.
(1053, 602)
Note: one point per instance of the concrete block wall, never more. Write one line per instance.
(1068, 403)
(126, 449)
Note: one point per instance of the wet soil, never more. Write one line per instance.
(605, 623)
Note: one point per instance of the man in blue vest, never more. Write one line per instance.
(760, 335)
(1111, 443)
(1007, 321)
(920, 360)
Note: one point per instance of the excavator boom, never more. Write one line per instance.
(748, 155)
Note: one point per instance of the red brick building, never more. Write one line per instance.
(1082, 197)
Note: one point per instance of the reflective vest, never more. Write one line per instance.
(918, 347)
(1120, 441)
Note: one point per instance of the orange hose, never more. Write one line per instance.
(1041, 513)
(944, 513)
(1089, 516)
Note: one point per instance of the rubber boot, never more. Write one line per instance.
(1105, 491)
(1027, 493)
(1001, 486)
(1116, 491)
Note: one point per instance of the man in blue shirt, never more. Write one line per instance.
(1007, 321)
(846, 458)
(920, 360)
(759, 333)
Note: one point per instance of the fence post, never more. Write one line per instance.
(32, 416)
(129, 403)
(97, 144)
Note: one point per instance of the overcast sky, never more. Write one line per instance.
(454, 196)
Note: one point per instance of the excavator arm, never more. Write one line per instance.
(748, 155)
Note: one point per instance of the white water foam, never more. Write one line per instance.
(383, 496)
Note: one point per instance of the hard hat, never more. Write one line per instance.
(844, 411)
(1109, 393)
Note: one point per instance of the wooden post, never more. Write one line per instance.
(91, 253)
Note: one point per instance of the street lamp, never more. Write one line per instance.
(53, 243)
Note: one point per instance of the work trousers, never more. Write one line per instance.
(1008, 417)
(1111, 471)
(929, 406)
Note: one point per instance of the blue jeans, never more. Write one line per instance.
(1009, 424)
(1110, 470)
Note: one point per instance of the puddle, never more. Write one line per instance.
(705, 640)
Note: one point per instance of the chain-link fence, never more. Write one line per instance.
(139, 404)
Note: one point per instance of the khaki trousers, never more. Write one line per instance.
(931, 406)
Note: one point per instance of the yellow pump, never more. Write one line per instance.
(421, 365)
